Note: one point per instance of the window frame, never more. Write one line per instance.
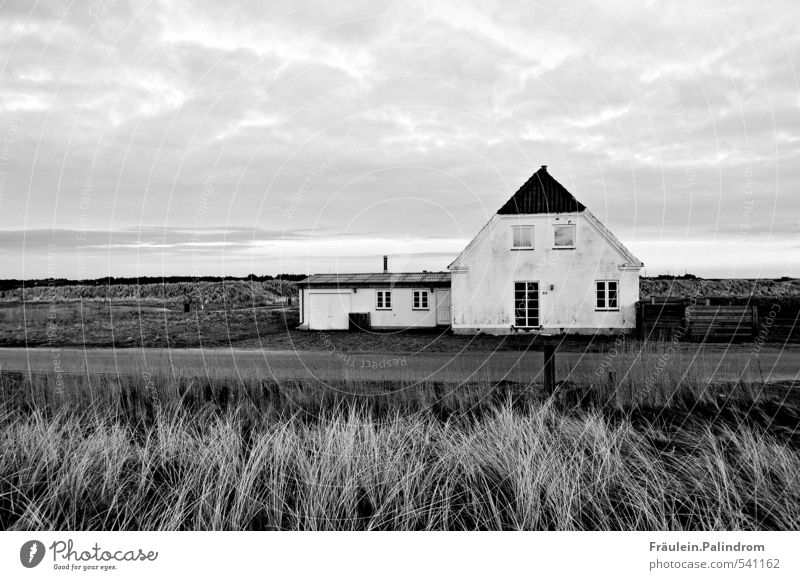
(606, 294)
(383, 297)
(574, 236)
(420, 293)
(522, 227)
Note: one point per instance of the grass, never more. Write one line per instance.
(240, 292)
(131, 324)
(164, 452)
(532, 469)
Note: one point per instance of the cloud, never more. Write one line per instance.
(416, 120)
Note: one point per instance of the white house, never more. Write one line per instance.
(543, 263)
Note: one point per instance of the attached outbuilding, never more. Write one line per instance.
(375, 301)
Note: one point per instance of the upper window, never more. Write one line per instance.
(383, 300)
(606, 292)
(420, 300)
(564, 236)
(523, 237)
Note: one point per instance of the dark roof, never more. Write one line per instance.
(378, 279)
(541, 194)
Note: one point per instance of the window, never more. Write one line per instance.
(523, 237)
(564, 236)
(526, 303)
(384, 300)
(420, 300)
(607, 291)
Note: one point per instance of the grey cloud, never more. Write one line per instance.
(407, 119)
(66, 240)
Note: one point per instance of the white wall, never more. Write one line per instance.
(483, 295)
(402, 315)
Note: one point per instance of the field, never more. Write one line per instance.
(129, 324)
(260, 314)
(125, 325)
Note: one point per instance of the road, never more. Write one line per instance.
(705, 363)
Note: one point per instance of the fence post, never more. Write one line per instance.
(687, 321)
(643, 317)
(613, 392)
(549, 368)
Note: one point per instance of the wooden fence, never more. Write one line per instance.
(765, 320)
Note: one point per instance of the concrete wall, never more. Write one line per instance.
(402, 315)
(483, 294)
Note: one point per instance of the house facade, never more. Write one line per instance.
(542, 264)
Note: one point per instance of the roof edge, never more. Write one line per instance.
(632, 261)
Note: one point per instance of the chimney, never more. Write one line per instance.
(544, 168)
(385, 264)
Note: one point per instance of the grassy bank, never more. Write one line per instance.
(534, 468)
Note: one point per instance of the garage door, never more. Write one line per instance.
(329, 311)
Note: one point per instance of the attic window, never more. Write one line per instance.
(564, 236)
(523, 237)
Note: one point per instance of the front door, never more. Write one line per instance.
(443, 306)
(526, 304)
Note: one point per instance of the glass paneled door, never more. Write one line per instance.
(526, 303)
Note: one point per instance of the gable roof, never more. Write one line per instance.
(541, 194)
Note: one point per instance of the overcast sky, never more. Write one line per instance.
(225, 138)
